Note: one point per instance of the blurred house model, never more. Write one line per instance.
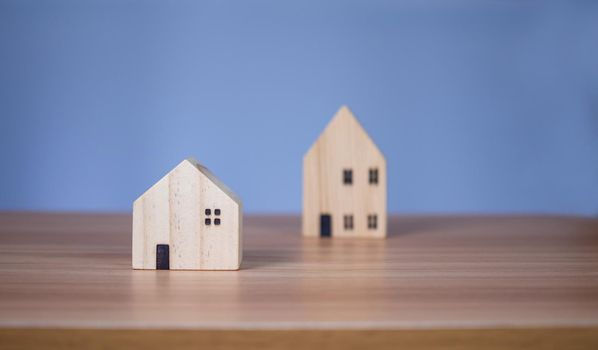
(344, 182)
(188, 220)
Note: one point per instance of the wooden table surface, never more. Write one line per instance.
(69, 272)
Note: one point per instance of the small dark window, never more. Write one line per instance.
(373, 176)
(348, 222)
(372, 222)
(347, 176)
(208, 212)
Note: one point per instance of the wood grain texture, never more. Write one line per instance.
(344, 145)
(195, 214)
(476, 339)
(73, 271)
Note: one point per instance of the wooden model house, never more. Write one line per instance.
(344, 182)
(188, 220)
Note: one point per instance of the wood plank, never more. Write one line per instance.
(483, 272)
(490, 339)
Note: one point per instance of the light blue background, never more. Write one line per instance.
(479, 106)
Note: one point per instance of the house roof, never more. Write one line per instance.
(190, 161)
(343, 117)
(214, 179)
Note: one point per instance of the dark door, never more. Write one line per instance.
(325, 225)
(162, 257)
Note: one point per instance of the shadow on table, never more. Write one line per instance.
(257, 258)
(399, 226)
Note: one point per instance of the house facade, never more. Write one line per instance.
(344, 182)
(189, 220)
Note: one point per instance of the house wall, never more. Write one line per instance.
(344, 145)
(173, 212)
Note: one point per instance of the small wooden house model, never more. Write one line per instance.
(344, 182)
(189, 220)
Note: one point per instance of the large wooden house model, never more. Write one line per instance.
(189, 220)
(344, 182)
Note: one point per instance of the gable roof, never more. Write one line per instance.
(213, 178)
(190, 161)
(343, 117)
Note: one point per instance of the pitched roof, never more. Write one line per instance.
(213, 178)
(342, 117)
(190, 161)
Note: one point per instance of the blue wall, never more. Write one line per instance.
(479, 106)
